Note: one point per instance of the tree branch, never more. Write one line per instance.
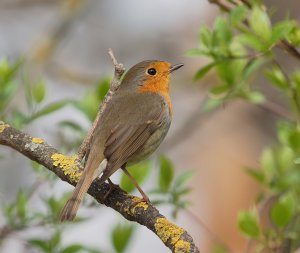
(65, 167)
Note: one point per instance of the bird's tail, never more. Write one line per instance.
(93, 168)
(69, 211)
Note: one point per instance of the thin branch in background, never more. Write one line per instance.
(290, 49)
(246, 3)
(276, 109)
(4, 232)
(34, 187)
(220, 4)
(294, 93)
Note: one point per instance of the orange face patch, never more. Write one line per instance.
(158, 82)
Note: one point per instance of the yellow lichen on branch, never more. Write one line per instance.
(37, 140)
(139, 203)
(3, 125)
(168, 231)
(142, 204)
(182, 246)
(68, 165)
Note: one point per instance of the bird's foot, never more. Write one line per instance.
(112, 187)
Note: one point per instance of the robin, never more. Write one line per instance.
(132, 126)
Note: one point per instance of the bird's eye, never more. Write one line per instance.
(151, 71)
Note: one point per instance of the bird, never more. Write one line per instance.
(132, 126)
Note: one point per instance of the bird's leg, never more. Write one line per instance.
(112, 186)
(145, 197)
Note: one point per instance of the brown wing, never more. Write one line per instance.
(125, 140)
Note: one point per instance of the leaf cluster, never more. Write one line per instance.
(240, 46)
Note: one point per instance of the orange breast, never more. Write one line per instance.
(161, 86)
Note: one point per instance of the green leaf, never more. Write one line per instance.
(204, 70)
(72, 248)
(21, 204)
(277, 78)
(296, 80)
(89, 104)
(294, 36)
(219, 249)
(18, 119)
(294, 139)
(139, 172)
(238, 14)
(55, 240)
(205, 37)
(217, 90)
(251, 67)
(71, 124)
(268, 163)
(4, 67)
(285, 158)
(260, 23)
(211, 104)
(166, 173)
(251, 41)
(283, 132)
(40, 244)
(183, 178)
(7, 90)
(297, 160)
(103, 88)
(194, 52)
(39, 91)
(121, 235)
(54, 205)
(183, 191)
(230, 71)
(256, 97)
(248, 223)
(223, 31)
(258, 175)
(48, 109)
(282, 211)
(281, 30)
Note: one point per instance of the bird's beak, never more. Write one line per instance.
(175, 67)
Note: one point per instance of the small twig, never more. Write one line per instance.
(276, 109)
(34, 187)
(4, 232)
(284, 44)
(293, 92)
(221, 5)
(119, 70)
(246, 3)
